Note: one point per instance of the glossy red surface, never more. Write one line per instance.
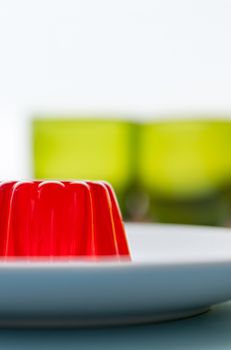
(60, 218)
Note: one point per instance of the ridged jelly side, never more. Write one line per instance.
(79, 219)
(120, 233)
(103, 238)
(50, 205)
(21, 219)
(6, 189)
(54, 218)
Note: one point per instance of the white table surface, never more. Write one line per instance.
(211, 330)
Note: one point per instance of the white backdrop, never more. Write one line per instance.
(133, 56)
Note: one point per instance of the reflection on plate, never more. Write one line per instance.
(177, 271)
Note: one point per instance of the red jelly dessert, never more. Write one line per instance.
(60, 218)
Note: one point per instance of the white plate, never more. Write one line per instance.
(177, 271)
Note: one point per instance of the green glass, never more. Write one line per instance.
(185, 167)
(176, 171)
(89, 148)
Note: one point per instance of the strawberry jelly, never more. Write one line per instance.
(60, 218)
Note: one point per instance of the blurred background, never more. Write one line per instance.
(137, 93)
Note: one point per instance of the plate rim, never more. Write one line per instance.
(79, 263)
